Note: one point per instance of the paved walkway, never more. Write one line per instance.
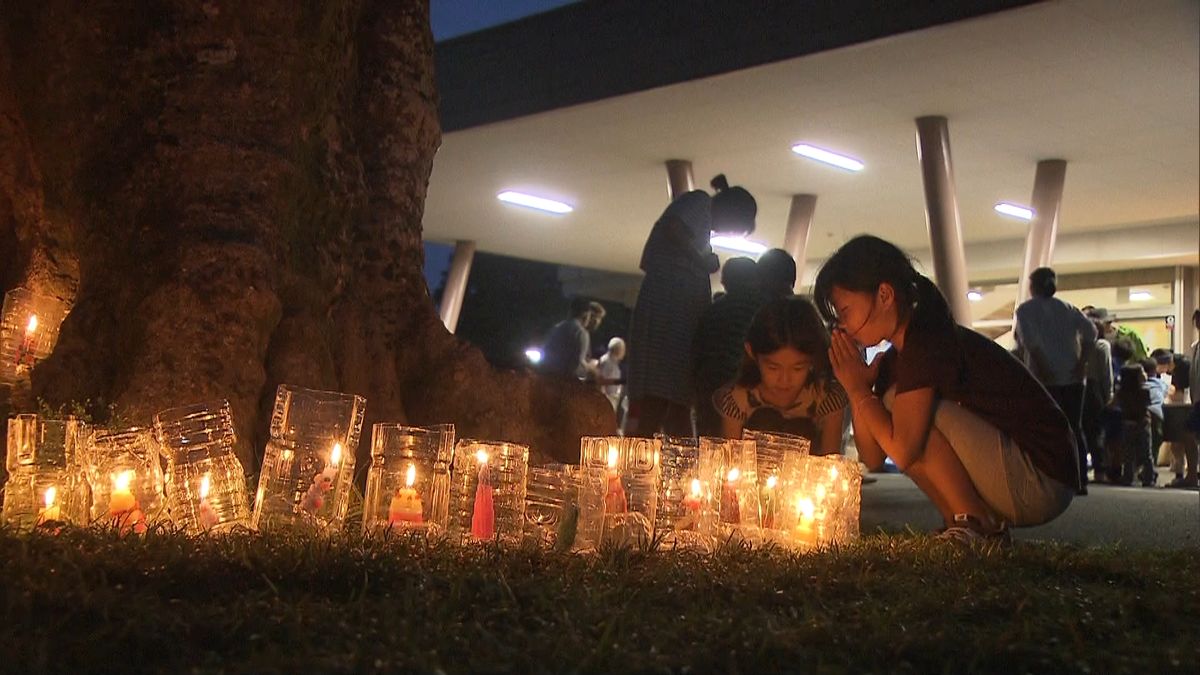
(1133, 516)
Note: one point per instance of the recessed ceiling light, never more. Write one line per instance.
(1014, 210)
(530, 201)
(974, 296)
(827, 157)
(534, 355)
(1140, 296)
(738, 244)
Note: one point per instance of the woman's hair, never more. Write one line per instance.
(733, 208)
(1122, 349)
(786, 322)
(1130, 395)
(865, 262)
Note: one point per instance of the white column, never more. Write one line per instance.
(941, 214)
(1043, 227)
(799, 224)
(456, 283)
(679, 178)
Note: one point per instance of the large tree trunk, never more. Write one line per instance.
(231, 195)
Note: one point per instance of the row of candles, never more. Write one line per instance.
(693, 491)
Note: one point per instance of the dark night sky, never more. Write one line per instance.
(451, 18)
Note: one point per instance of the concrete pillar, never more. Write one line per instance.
(799, 223)
(1043, 227)
(456, 283)
(1187, 299)
(941, 213)
(679, 178)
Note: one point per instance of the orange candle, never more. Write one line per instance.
(406, 506)
(614, 500)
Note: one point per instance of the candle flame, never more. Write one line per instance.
(771, 482)
(122, 480)
(335, 456)
(613, 455)
(204, 487)
(51, 493)
(481, 456)
(805, 508)
(32, 325)
(410, 476)
(734, 474)
(695, 487)
(820, 493)
(833, 472)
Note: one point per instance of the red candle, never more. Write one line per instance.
(614, 499)
(483, 517)
(730, 510)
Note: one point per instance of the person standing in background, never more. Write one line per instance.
(1055, 340)
(1098, 393)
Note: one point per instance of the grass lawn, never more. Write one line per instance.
(88, 601)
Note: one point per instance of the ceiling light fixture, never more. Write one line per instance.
(974, 296)
(738, 244)
(530, 201)
(1014, 210)
(1140, 296)
(827, 157)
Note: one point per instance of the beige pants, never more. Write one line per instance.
(1019, 492)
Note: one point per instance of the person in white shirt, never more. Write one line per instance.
(1055, 340)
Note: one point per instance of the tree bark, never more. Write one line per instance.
(231, 194)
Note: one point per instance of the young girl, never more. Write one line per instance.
(786, 383)
(954, 410)
(1133, 398)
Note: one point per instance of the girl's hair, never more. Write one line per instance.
(733, 209)
(786, 322)
(1131, 396)
(865, 262)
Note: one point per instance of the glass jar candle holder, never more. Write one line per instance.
(552, 505)
(730, 466)
(308, 467)
(45, 482)
(126, 477)
(821, 501)
(28, 331)
(408, 482)
(685, 517)
(206, 485)
(487, 491)
(618, 490)
(770, 449)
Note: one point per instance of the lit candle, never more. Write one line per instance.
(483, 516)
(769, 502)
(123, 506)
(208, 517)
(691, 506)
(805, 510)
(406, 504)
(25, 350)
(614, 500)
(730, 510)
(51, 512)
(322, 482)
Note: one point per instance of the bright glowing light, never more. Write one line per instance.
(481, 456)
(534, 355)
(532, 202)
(411, 476)
(1014, 210)
(695, 487)
(771, 482)
(613, 456)
(974, 296)
(122, 480)
(1140, 296)
(336, 455)
(32, 325)
(805, 508)
(734, 474)
(738, 244)
(204, 487)
(51, 493)
(827, 157)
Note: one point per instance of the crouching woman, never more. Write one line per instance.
(955, 411)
